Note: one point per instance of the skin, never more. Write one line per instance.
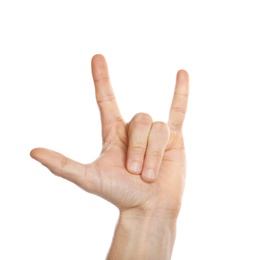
(141, 170)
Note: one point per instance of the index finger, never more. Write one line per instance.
(105, 97)
(179, 103)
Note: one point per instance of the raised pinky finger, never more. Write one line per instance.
(157, 142)
(179, 102)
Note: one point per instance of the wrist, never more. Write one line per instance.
(144, 236)
(154, 228)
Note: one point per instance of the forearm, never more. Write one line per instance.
(145, 238)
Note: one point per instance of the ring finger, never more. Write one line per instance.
(138, 132)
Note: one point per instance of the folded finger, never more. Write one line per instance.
(157, 142)
(138, 132)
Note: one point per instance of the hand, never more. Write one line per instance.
(142, 164)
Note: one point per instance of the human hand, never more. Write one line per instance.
(158, 183)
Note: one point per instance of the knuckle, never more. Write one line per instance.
(64, 162)
(63, 165)
(177, 141)
(143, 119)
(179, 110)
(161, 126)
(58, 171)
(105, 98)
(155, 153)
(103, 79)
(138, 149)
(176, 126)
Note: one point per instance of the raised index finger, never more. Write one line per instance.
(179, 102)
(104, 93)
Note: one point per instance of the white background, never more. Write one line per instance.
(47, 99)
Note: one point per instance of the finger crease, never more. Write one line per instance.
(101, 79)
(176, 126)
(181, 94)
(106, 98)
(178, 109)
(63, 162)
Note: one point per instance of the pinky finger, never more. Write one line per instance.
(179, 103)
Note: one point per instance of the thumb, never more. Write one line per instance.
(61, 166)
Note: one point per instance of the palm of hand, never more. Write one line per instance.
(108, 176)
(126, 190)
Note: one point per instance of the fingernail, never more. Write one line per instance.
(150, 174)
(135, 167)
